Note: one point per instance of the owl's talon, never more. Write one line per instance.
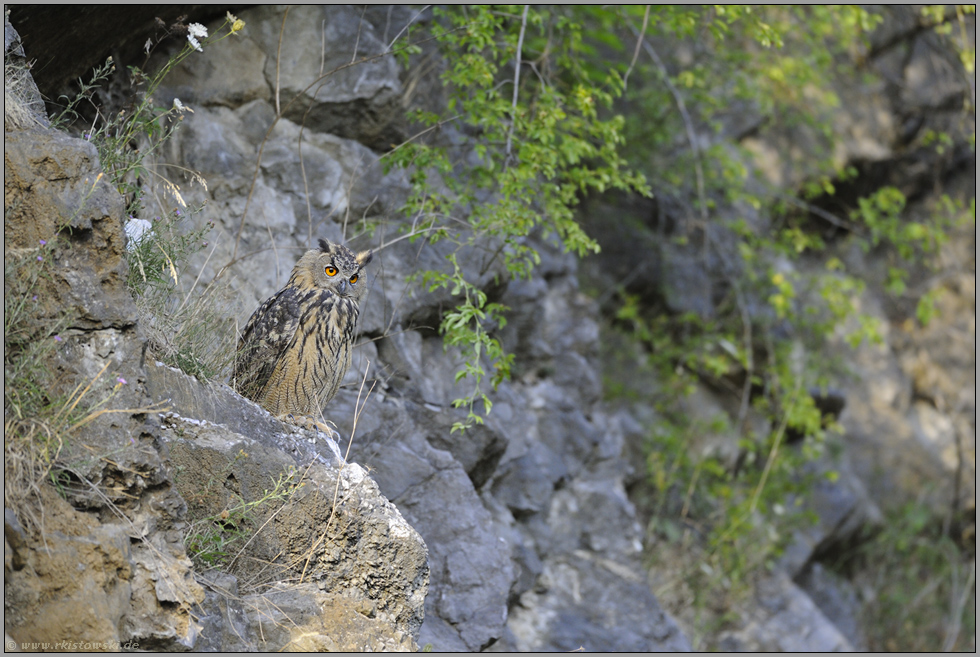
(310, 424)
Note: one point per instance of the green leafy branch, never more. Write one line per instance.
(542, 139)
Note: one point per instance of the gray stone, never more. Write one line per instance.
(526, 484)
(585, 602)
(299, 618)
(838, 600)
(469, 556)
(220, 76)
(55, 191)
(784, 620)
(317, 83)
(222, 616)
(332, 527)
(845, 515)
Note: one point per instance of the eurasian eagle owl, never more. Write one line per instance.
(296, 348)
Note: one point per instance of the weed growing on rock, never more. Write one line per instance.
(212, 541)
(32, 443)
(40, 418)
(188, 329)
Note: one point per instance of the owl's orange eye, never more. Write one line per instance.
(353, 279)
(330, 270)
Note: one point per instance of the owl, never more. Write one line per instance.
(296, 348)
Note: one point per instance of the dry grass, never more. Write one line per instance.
(21, 108)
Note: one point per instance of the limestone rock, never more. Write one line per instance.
(318, 86)
(331, 527)
(54, 186)
(785, 620)
(101, 563)
(577, 604)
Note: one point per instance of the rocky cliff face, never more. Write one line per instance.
(99, 560)
(532, 541)
(517, 535)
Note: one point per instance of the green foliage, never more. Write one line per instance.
(465, 326)
(922, 585)
(742, 507)
(789, 293)
(940, 18)
(543, 137)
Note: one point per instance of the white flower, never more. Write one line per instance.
(195, 30)
(180, 107)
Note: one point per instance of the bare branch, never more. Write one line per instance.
(407, 25)
(282, 29)
(639, 44)
(688, 123)
(517, 79)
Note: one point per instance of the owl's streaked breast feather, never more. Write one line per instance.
(266, 336)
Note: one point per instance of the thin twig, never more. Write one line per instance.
(196, 280)
(639, 44)
(282, 29)
(357, 39)
(776, 441)
(419, 134)
(407, 25)
(953, 632)
(358, 409)
(702, 202)
(823, 214)
(350, 190)
(267, 520)
(688, 123)
(517, 81)
(323, 46)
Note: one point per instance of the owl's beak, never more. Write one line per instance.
(343, 288)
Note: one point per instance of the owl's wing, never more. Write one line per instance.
(266, 336)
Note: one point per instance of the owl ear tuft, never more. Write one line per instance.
(324, 245)
(364, 257)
